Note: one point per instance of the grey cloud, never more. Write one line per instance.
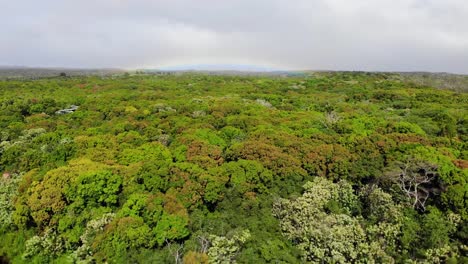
(387, 35)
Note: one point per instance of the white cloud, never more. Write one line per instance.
(396, 35)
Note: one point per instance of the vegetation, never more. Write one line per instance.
(194, 168)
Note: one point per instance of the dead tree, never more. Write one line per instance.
(331, 120)
(176, 251)
(204, 243)
(416, 179)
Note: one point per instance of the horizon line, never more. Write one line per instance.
(221, 69)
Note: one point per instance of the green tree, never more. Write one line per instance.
(334, 237)
(95, 188)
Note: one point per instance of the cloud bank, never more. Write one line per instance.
(375, 35)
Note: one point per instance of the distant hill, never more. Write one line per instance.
(36, 72)
(223, 72)
(220, 68)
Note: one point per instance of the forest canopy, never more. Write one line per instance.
(193, 168)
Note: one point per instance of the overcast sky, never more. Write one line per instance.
(378, 35)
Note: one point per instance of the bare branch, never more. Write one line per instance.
(176, 251)
(204, 243)
(412, 178)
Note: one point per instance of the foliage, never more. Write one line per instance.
(320, 167)
(8, 191)
(84, 253)
(336, 236)
(224, 249)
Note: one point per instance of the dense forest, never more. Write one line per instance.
(320, 168)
